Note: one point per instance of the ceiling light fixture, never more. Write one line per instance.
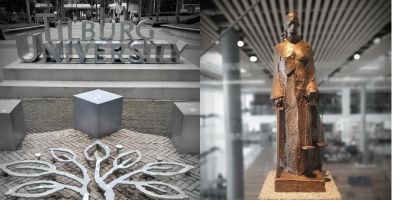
(253, 59)
(377, 40)
(240, 43)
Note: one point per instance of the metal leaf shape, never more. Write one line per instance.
(165, 168)
(36, 167)
(120, 163)
(99, 145)
(38, 188)
(66, 156)
(160, 190)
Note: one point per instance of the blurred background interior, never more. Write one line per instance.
(352, 51)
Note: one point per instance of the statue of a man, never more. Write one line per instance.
(294, 89)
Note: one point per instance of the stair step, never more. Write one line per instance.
(185, 71)
(157, 90)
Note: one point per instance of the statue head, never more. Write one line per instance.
(292, 26)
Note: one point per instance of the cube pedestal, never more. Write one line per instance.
(97, 113)
(12, 126)
(186, 127)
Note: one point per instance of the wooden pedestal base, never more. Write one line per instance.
(287, 182)
(268, 191)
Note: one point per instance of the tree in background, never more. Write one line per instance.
(178, 7)
(140, 10)
(104, 4)
(14, 5)
(59, 8)
(18, 6)
(158, 2)
(91, 3)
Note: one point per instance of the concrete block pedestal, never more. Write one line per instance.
(12, 125)
(186, 127)
(97, 113)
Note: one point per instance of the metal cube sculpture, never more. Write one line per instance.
(12, 126)
(97, 113)
(97, 152)
(186, 127)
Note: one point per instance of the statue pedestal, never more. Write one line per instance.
(268, 190)
(288, 182)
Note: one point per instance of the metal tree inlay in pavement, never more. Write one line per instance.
(43, 188)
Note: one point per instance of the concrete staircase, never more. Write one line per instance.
(140, 81)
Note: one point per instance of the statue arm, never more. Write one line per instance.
(312, 83)
(277, 90)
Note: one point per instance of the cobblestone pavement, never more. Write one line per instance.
(53, 114)
(149, 145)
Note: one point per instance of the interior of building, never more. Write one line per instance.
(351, 41)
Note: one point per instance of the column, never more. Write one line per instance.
(364, 134)
(346, 102)
(233, 115)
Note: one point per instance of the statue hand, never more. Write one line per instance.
(313, 97)
(279, 102)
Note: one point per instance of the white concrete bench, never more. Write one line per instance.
(12, 125)
(186, 127)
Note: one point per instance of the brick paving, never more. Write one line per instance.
(150, 146)
(53, 114)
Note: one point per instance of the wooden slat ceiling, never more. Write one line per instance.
(336, 29)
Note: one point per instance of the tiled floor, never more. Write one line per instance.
(379, 176)
(146, 127)
(53, 114)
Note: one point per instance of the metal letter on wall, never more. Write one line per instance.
(51, 51)
(57, 50)
(116, 50)
(176, 50)
(79, 50)
(99, 51)
(139, 32)
(23, 49)
(102, 25)
(85, 29)
(136, 56)
(127, 31)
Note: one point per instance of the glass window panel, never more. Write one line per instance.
(330, 103)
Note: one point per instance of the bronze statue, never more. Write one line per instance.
(300, 140)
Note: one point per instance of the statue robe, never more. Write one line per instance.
(294, 79)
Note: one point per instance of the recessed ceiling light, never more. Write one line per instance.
(253, 59)
(240, 43)
(370, 67)
(356, 56)
(377, 40)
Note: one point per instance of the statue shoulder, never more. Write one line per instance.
(279, 46)
(307, 46)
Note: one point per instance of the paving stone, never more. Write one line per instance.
(78, 141)
(54, 114)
